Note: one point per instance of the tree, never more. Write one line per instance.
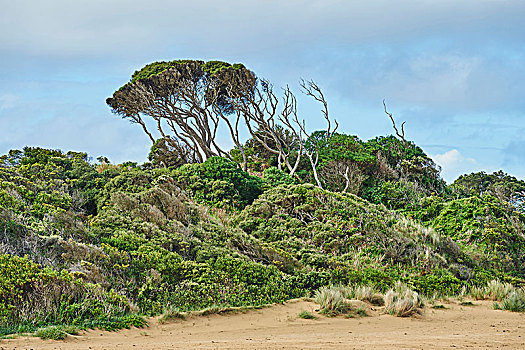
(169, 152)
(188, 98)
(195, 99)
(499, 184)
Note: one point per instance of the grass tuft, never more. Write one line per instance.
(56, 332)
(402, 301)
(515, 301)
(331, 301)
(172, 313)
(307, 315)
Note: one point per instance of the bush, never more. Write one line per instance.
(273, 177)
(307, 315)
(219, 182)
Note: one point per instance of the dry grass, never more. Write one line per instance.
(401, 301)
(494, 290)
(331, 300)
(365, 293)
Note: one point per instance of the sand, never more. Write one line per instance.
(279, 327)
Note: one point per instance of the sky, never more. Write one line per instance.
(453, 70)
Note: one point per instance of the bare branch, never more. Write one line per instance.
(401, 134)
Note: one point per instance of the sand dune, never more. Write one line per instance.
(278, 327)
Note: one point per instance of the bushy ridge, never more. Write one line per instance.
(96, 245)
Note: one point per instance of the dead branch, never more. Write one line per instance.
(401, 134)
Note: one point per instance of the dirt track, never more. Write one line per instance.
(278, 327)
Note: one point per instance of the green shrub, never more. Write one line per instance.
(273, 177)
(219, 182)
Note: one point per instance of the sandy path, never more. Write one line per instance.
(278, 327)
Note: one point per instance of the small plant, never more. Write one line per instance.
(402, 301)
(307, 315)
(172, 313)
(497, 290)
(478, 293)
(467, 303)
(56, 332)
(440, 306)
(361, 312)
(515, 301)
(331, 301)
(366, 293)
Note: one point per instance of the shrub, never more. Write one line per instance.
(219, 182)
(273, 177)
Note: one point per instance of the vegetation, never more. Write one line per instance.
(287, 213)
(307, 315)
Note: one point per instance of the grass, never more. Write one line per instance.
(307, 315)
(467, 303)
(440, 306)
(331, 301)
(401, 301)
(56, 332)
(172, 313)
(515, 301)
(494, 290)
(366, 293)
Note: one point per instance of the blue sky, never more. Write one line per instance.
(453, 70)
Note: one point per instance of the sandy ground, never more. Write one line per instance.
(278, 327)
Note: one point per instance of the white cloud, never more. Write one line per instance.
(453, 164)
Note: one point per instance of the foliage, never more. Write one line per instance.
(498, 184)
(102, 246)
(515, 301)
(219, 182)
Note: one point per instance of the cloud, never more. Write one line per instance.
(453, 70)
(453, 164)
(8, 101)
(98, 27)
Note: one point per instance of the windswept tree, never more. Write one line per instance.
(190, 102)
(185, 101)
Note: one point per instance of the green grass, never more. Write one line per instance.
(56, 332)
(307, 315)
(515, 301)
(172, 313)
(467, 303)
